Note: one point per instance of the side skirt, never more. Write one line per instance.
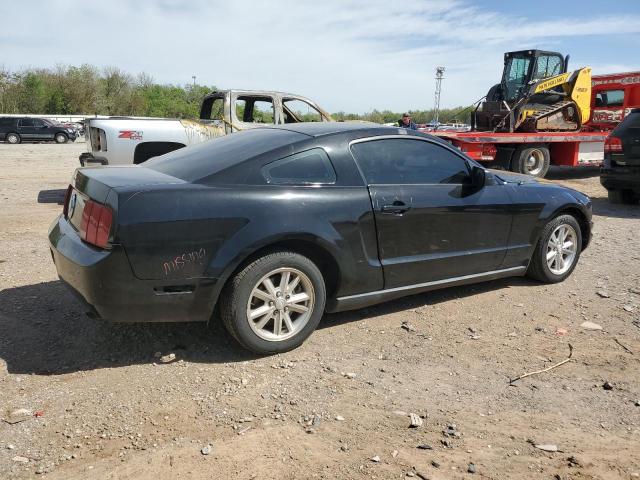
(361, 300)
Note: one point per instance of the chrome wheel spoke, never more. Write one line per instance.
(298, 308)
(288, 322)
(268, 284)
(297, 298)
(277, 325)
(264, 321)
(262, 295)
(294, 283)
(551, 254)
(284, 281)
(259, 312)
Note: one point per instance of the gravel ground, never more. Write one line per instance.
(93, 400)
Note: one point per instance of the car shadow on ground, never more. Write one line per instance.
(44, 331)
(603, 208)
(571, 173)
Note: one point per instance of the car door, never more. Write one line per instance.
(26, 129)
(432, 224)
(42, 130)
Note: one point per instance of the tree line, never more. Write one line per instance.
(69, 90)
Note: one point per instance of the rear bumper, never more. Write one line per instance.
(621, 178)
(103, 280)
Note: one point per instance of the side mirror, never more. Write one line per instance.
(478, 176)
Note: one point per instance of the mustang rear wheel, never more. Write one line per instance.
(557, 251)
(274, 303)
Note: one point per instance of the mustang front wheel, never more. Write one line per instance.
(274, 303)
(557, 251)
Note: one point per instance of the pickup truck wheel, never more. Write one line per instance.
(532, 161)
(274, 303)
(557, 251)
(13, 138)
(61, 138)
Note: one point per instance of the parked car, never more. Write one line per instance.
(126, 141)
(23, 129)
(274, 226)
(620, 172)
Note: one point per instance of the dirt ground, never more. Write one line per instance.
(98, 403)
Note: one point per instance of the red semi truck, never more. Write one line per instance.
(612, 97)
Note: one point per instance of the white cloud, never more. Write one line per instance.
(348, 55)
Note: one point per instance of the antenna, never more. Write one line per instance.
(436, 104)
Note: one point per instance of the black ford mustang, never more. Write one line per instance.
(274, 226)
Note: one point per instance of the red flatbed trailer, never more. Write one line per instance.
(613, 96)
(565, 148)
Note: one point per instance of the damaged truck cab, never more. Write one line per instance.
(134, 140)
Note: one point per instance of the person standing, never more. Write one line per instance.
(405, 122)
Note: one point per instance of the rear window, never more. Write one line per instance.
(194, 163)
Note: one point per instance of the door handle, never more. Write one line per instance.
(396, 208)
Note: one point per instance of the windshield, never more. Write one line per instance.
(515, 77)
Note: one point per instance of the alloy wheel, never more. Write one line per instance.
(561, 249)
(280, 304)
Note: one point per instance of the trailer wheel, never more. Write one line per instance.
(531, 160)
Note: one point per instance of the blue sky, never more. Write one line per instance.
(349, 55)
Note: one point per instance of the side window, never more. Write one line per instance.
(304, 168)
(39, 123)
(26, 122)
(255, 110)
(408, 161)
(610, 98)
(547, 66)
(299, 111)
(217, 109)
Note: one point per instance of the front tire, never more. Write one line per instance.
(61, 138)
(532, 161)
(557, 251)
(13, 138)
(274, 303)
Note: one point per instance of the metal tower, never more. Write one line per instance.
(436, 104)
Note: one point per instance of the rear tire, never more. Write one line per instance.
(274, 303)
(557, 251)
(13, 138)
(61, 138)
(531, 160)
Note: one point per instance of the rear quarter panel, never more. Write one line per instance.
(123, 136)
(197, 231)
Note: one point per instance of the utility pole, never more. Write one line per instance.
(436, 104)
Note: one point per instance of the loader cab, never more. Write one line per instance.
(523, 68)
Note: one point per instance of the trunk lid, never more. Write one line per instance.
(96, 186)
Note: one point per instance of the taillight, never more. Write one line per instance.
(612, 145)
(96, 224)
(489, 151)
(67, 197)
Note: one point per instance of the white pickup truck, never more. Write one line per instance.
(128, 140)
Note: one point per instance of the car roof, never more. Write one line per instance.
(319, 129)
